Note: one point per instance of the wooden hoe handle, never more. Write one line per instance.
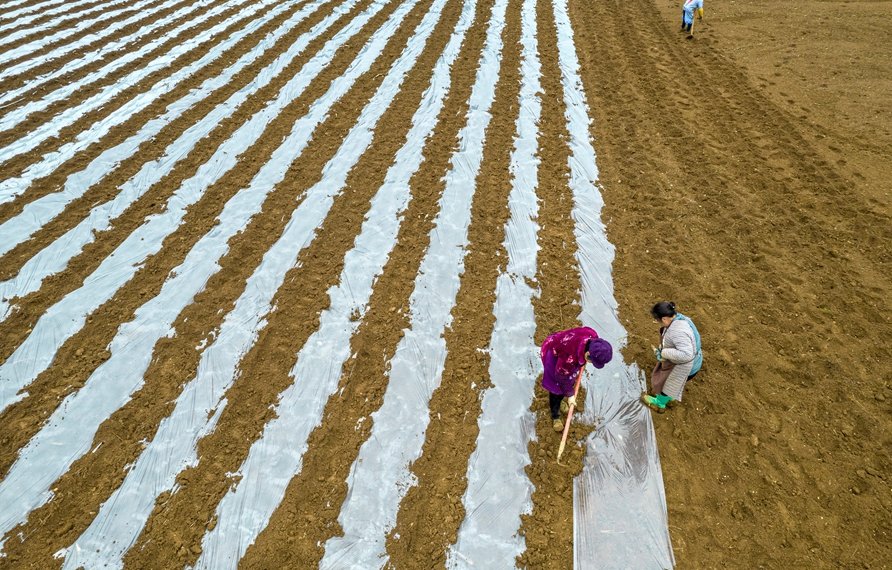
(570, 414)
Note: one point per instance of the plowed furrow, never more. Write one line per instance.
(363, 385)
(319, 361)
(378, 476)
(45, 16)
(293, 242)
(620, 486)
(549, 525)
(86, 30)
(313, 203)
(148, 314)
(21, 188)
(70, 67)
(16, 8)
(74, 91)
(118, 270)
(430, 512)
(221, 159)
(49, 253)
(88, 116)
(786, 213)
(498, 490)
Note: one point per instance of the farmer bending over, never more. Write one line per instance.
(687, 13)
(564, 354)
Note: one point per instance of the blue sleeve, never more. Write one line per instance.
(698, 349)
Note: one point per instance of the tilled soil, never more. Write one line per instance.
(726, 196)
(745, 174)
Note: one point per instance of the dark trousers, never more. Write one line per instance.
(554, 402)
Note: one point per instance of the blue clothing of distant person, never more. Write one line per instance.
(687, 13)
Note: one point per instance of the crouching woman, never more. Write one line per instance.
(679, 357)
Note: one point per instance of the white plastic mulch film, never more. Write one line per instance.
(619, 505)
(498, 488)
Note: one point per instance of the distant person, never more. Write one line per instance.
(687, 13)
(679, 356)
(563, 355)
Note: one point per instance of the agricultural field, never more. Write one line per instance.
(273, 275)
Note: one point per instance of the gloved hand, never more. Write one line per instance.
(701, 13)
(571, 401)
(658, 354)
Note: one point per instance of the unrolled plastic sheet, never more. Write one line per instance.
(380, 477)
(26, 9)
(67, 117)
(619, 505)
(98, 54)
(82, 24)
(23, 32)
(18, 19)
(55, 257)
(499, 490)
(67, 316)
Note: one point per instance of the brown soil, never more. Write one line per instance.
(745, 174)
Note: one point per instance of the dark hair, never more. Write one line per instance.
(663, 309)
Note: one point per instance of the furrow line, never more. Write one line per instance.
(23, 20)
(27, 9)
(67, 317)
(549, 525)
(379, 477)
(41, 462)
(23, 50)
(227, 542)
(430, 513)
(14, 186)
(499, 490)
(333, 443)
(303, 293)
(11, 187)
(197, 220)
(175, 359)
(159, 464)
(12, 96)
(622, 475)
(19, 114)
(54, 23)
(55, 257)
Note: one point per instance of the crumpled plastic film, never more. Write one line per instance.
(55, 257)
(619, 512)
(67, 117)
(122, 517)
(499, 490)
(102, 8)
(28, 9)
(380, 476)
(76, 420)
(98, 54)
(67, 316)
(18, 18)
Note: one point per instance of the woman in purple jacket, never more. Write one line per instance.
(563, 355)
